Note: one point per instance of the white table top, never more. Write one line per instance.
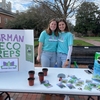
(17, 82)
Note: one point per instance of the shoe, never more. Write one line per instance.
(66, 97)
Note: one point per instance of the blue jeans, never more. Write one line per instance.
(48, 59)
(61, 58)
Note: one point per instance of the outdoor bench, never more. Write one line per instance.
(84, 54)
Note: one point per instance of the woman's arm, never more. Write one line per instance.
(69, 52)
(39, 51)
(68, 56)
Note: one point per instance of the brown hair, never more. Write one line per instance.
(48, 30)
(63, 20)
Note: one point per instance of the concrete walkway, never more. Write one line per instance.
(95, 43)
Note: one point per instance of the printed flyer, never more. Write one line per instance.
(96, 70)
(29, 53)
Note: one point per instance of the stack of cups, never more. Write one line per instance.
(31, 77)
(45, 71)
(42, 74)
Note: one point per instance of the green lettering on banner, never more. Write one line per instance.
(5, 53)
(0, 54)
(7, 45)
(18, 53)
(9, 49)
(11, 53)
(1, 46)
(15, 45)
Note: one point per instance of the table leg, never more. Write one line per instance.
(98, 98)
(7, 97)
(90, 98)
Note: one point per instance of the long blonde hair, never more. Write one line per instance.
(49, 31)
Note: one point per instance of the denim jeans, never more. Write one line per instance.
(48, 59)
(61, 58)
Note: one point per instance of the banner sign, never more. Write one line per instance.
(10, 44)
(17, 44)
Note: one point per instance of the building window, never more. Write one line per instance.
(6, 20)
(0, 19)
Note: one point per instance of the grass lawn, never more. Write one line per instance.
(81, 43)
(36, 43)
(76, 43)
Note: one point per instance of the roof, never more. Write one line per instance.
(3, 11)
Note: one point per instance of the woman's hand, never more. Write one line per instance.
(39, 51)
(65, 64)
(38, 58)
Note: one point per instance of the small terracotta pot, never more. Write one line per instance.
(41, 76)
(1, 97)
(45, 70)
(31, 81)
(31, 73)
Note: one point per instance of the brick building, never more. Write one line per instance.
(5, 13)
(4, 17)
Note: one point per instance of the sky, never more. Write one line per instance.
(22, 5)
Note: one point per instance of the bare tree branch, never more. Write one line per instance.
(62, 8)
